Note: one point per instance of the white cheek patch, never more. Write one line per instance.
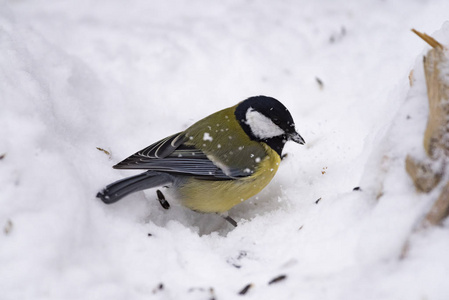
(261, 126)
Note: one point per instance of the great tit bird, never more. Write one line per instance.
(218, 162)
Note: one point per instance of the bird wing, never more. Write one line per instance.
(172, 155)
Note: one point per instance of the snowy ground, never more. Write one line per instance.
(76, 75)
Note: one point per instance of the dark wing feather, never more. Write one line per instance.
(170, 155)
(164, 147)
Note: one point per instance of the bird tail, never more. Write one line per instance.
(121, 188)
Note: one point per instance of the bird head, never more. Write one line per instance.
(265, 119)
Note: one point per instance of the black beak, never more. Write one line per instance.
(295, 137)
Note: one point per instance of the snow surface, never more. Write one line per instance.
(119, 75)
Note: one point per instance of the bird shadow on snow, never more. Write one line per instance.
(144, 208)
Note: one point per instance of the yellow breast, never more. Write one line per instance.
(220, 196)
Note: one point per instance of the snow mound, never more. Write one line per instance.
(76, 76)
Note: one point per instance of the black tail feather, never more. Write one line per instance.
(121, 188)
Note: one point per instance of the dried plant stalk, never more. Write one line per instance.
(440, 209)
(423, 174)
(436, 137)
(426, 174)
(428, 39)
